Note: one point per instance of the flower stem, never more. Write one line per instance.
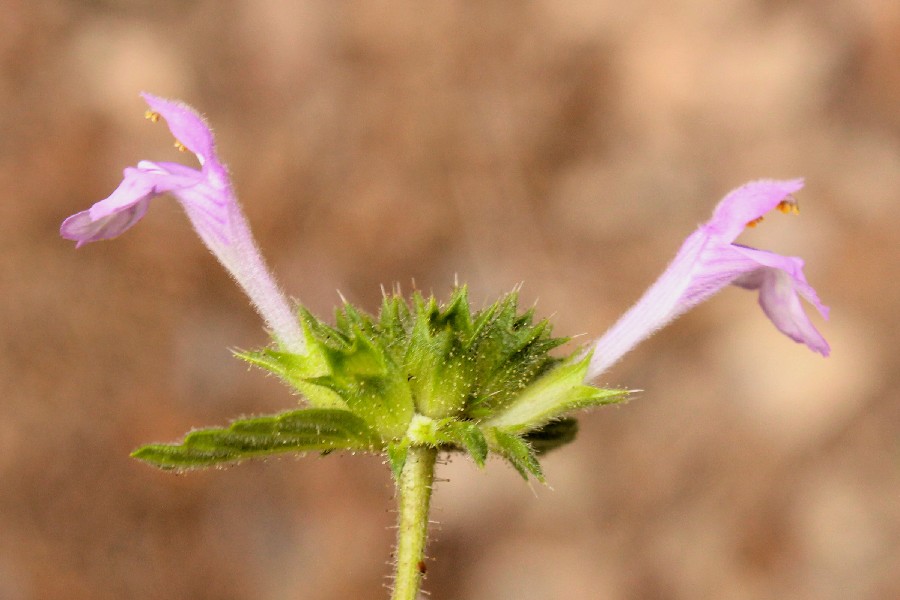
(414, 489)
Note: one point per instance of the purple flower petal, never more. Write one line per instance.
(747, 203)
(781, 282)
(209, 201)
(707, 262)
(186, 125)
(83, 227)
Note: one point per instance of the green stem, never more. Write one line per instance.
(414, 489)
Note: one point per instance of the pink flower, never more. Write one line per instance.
(208, 199)
(708, 261)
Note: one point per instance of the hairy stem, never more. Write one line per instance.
(414, 489)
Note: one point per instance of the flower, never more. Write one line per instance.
(708, 261)
(207, 197)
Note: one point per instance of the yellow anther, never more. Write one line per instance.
(151, 116)
(181, 147)
(789, 206)
(755, 222)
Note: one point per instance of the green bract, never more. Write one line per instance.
(421, 374)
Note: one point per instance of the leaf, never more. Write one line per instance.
(557, 392)
(474, 442)
(519, 454)
(297, 370)
(394, 322)
(308, 430)
(397, 457)
(465, 435)
(511, 352)
(438, 366)
(552, 435)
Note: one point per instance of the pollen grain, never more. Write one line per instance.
(181, 147)
(152, 116)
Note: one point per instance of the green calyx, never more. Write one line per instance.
(418, 373)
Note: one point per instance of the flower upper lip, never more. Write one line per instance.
(187, 126)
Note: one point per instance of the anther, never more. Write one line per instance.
(789, 206)
(181, 147)
(151, 115)
(755, 222)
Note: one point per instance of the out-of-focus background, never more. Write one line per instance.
(567, 145)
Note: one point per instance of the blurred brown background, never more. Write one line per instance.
(568, 145)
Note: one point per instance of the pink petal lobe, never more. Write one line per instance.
(83, 228)
(781, 283)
